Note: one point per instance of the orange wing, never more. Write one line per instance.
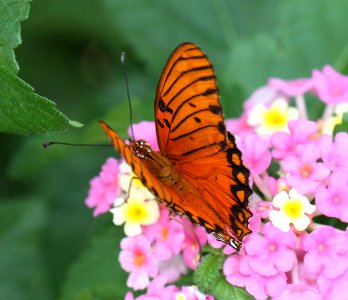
(188, 114)
(198, 171)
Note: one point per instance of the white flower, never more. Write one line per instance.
(268, 120)
(137, 206)
(293, 208)
(136, 211)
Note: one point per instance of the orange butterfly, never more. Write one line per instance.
(198, 171)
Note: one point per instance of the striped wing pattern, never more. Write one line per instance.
(189, 119)
(198, 171)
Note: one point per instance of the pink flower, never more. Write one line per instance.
(104, 188)
(238, 272)
(332, 201)
(136, 258)
(271, 253)
(300, 291)
(335, 154)
(157, 290)
(291, 87)
(167, 234)
(145, 130)
(263, 95)
(334, 288)
(285, 144)
(331, 86)
(327, 252)
(192, 293)
(240, 126)
(256, 155)
(173, 267)
(195, 238)
(304, 173)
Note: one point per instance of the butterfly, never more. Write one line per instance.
(198, 171)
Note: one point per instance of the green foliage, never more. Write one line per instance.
(96, 275)
(210, 280)
(22, 111)
(22, 272)
(11, 13)
(69, 52)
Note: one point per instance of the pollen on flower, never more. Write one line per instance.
(293, 208)
(275, 117)
(136, 212)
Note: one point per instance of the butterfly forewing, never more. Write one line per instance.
(188, 114)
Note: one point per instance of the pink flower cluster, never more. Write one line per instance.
(165, 248)
(311, 263)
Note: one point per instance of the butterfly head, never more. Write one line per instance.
(140, 148)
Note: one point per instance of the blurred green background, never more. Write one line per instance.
(50, 245)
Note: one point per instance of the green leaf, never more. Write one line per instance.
(342, 127)
(11, 13)
(22, 111)
(210, 280)
(96, 275)
(222, 290)
(21, 226)
(208, 271)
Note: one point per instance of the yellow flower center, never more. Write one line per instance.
(138, 258)
(136, 212)
(293, 208)
(180, 297)
(275, 118)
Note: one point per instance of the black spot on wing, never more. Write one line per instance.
(161, 105)
(221, 127)
(198, 120)
(215, 109)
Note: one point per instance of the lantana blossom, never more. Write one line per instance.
(134, 212)
(293, 209)
(268, 120)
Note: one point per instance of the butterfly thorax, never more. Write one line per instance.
(140, 148)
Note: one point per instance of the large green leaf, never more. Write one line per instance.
(22, 111)
(11, 13)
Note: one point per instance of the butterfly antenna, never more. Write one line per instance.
(123, 63)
